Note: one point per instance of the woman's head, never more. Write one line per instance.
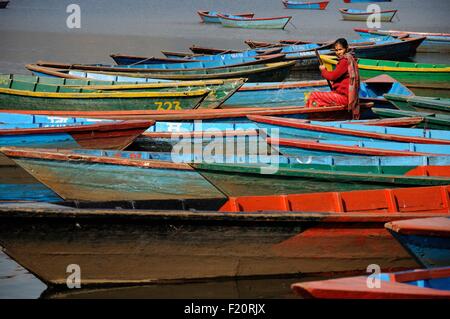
(340, 47)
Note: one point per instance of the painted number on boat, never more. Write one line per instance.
(167, 106)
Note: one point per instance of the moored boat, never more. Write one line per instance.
(270, 72)
(17, 95)
(413, 75)
(409, 284)
(430, 120)
(293, 128)
(419, 103)
(319, 5)
(254, 23)
(426, 239)
(126, 59)
(183, 245)
(212, 16)
(363, 15)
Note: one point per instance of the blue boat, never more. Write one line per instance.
(57, 132)
(320, 5)
(254, 23)
(297, 147)
(293, 128)
(426, 239)
(296, 93)
(212, 16)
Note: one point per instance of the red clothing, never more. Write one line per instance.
(339, 77)
(322, 99)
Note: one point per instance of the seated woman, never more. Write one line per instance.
(344, 79)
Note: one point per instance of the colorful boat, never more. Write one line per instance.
(161, 68)
(426, 239)
(410, 284)
(254, 23)
(219, 90)
(415, 75)
(126, 59)
(363, 15)
(433, 199)
(212, 16)
(430, 120)
(75, 176)
(109, 135)
(320, 5)
(296, 147)
(19, 95)
(296, 93)
(420, 103)
(183, 245)
(271, 72)
(434, 42)
(257, 179)
(298, 129)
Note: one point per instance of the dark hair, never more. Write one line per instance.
(342, 42)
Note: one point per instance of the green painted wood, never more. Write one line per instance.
(249, 180)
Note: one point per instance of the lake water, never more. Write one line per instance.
(36, 30)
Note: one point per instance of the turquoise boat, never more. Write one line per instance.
(419, 103)
(320, 5)
(104, 179)
(254, 23)
(430, 120)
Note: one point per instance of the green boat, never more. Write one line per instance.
(220, 90)
(17, 95)
(430, 120)
(414, 75)
(256, 179)
(419, 103)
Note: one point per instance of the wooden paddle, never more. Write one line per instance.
(321, 63)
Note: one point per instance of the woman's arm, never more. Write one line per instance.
(341, 69)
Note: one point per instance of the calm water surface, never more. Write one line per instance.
(34, 30)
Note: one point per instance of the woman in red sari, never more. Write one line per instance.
(344, 79)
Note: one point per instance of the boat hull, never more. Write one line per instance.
(274, 23)
(175, 246)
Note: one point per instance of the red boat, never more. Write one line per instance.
(411, 284)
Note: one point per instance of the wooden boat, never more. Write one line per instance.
(271, 72)
(271, 179)
(298, 129)
(433, 199)
(183, 245)
(430, 120)
(254, 23)
(434, 42)
(219, 90)
(212, 16)
(426, 239)
(320, 5)
(197, 50)
(295, 147)
(296, 93)
(161, 68)
(420, 103)
(125, 59)
(410, 284)
(363, 15)
(112, 135)
(3, 4)
(415, 75)
(75, 176)
(18, 95)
